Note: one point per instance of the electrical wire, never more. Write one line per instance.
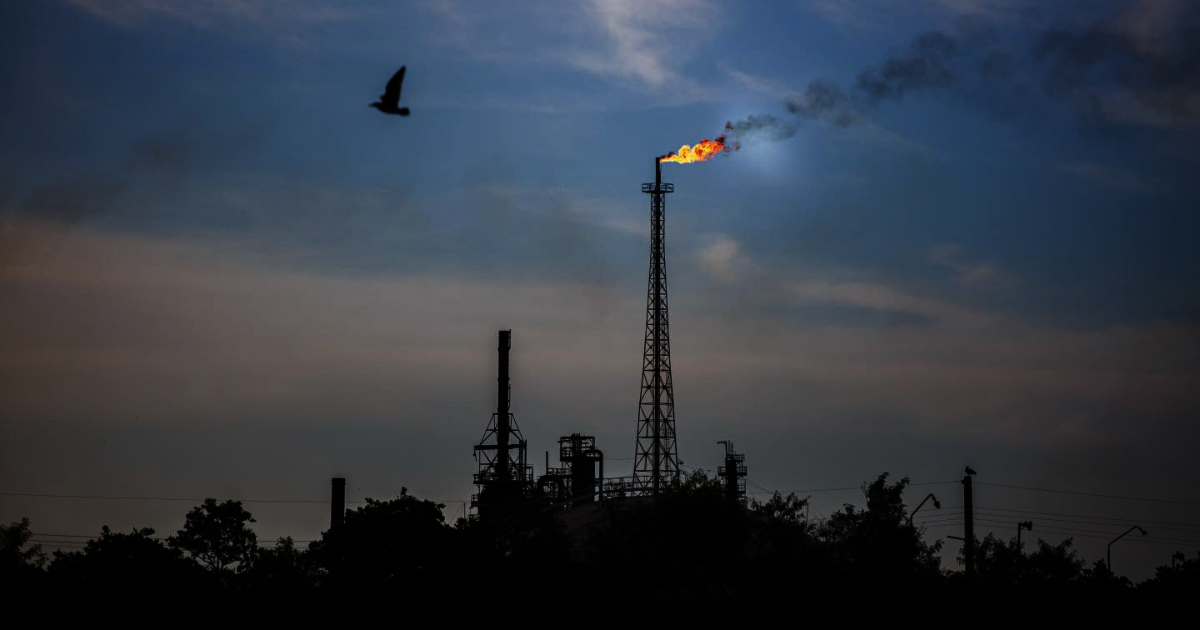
(190, 499)
(1092, 532)
(1041, 514)
(1088, 494)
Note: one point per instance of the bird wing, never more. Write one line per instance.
(392, 92)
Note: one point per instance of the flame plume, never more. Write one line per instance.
(700, 152)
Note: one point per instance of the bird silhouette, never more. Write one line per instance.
(969, 471)
(389, 101)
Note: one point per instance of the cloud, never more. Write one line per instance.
(642, 46)
(722, 259)
(285, 20)
(949, 255)
(169, 346)
(881, 14)
(882, 297)
(1107, 177)
(649, 41)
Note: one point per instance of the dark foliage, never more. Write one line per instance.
(218, 535)
(692, 549)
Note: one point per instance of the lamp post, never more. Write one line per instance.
(936, 505)
(1023, 525)
(1119, 538)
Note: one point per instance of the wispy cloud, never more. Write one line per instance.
(882, 297)
(648, 42)
(950, 256)
(1107, 177)
(642, 46)
(202, 328)
(880, 14)
(722, 258)
(285, 20)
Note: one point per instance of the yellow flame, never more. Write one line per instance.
(701, 151)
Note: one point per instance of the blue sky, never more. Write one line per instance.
(209, 235)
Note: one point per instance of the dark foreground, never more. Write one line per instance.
(691, 554)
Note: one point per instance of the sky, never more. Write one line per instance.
(955, 234)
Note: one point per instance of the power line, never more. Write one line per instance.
(190, 499)
(1058, 529)
(1092, 520)
(125, 498)
(1089, 516)
(1088, 494)
(939, 519)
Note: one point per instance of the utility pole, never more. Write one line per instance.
(968, 524)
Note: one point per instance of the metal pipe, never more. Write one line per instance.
(502, 406)
(936, 506)
(1119, 538)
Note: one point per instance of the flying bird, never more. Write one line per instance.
(389, 101)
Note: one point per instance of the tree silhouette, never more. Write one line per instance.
(118, 566)
(877, 549)
(20, 563)
(217, 535)
(692, 546)
(386, 544)
(14, 556)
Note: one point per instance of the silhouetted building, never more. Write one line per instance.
(733, 472)
(578, 480)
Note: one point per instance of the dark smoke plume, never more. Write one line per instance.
(1089, 71)
(761, 128)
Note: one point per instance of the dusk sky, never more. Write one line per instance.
(956, 233)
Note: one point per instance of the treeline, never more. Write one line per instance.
(692, 550)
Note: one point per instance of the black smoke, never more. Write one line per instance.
(761, 127)
(1104, 74)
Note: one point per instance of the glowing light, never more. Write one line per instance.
(701, 151)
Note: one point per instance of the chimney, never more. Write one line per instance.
(337, 503)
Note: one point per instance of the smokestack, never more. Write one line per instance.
(337, 503)
(503, 390)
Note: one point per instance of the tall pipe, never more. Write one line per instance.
(657, 236)
(502, 407)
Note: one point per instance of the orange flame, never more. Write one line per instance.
(700, 152)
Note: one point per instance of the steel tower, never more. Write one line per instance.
(656, 462)
(503, 478)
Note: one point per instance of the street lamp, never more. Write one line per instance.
(1119, 538)
(1023, 525)
(936, 505)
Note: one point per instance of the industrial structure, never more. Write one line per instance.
(656, 459)
(733, 472)
(578, 479)
(503, 477)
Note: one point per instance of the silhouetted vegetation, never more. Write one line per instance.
(696, 550)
